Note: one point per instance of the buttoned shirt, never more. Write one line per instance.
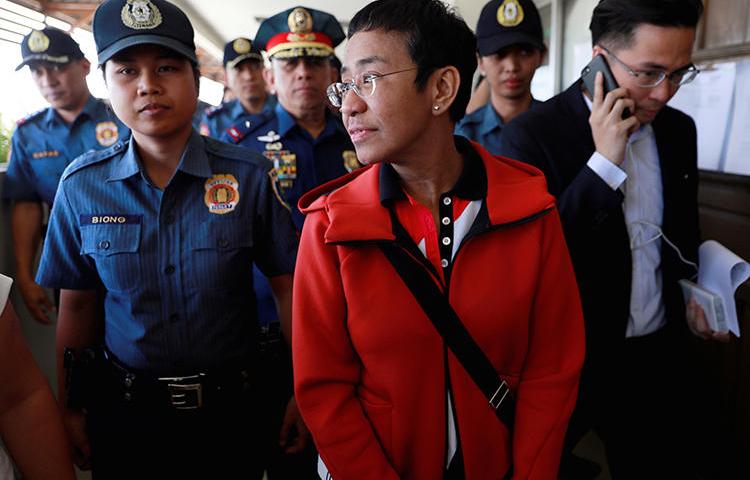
(175, 264)
(216, 120)
(300, 163)
(485, 126)
(639, 177)
(457, 211)
(44, 144)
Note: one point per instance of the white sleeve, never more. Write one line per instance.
(5, 283)
(612, 175)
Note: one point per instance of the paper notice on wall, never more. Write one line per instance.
(738, 149)
(708, 99)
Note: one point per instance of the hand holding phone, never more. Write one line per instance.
(610, 120)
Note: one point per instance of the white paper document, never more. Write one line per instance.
(721, 272)
(738, 149)
(708, 99)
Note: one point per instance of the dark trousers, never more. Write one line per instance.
(640, 404)
(275, 380)
(135, 441)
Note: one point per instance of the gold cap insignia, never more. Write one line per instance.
(350, 160)
(242, 45)
(140, 15)
(300, 21)
(38, 41)
(510, 13)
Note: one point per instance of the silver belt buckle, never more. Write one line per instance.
(185, 393)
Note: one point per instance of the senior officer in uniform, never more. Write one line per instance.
(163, 231)
(510, 47)
(243, 69)
(45, 142)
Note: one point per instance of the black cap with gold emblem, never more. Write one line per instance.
(300, 32)
(503, 23)
(239, 50)
(49, 45)
(120, 24)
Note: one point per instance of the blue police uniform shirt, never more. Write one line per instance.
(300, 163)
(485, 126)
(217, 120)
(175, 264)
(44, 144)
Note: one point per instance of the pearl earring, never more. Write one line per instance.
(436, 107)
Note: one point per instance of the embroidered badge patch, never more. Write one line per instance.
(38, 41)
(510, 13)
(350, 160)
(140, 15)
(222, 193)
(106, 133)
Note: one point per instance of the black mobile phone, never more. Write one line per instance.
(588, 75)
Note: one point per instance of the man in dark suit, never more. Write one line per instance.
(627, 194)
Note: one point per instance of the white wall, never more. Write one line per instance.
(576, 52)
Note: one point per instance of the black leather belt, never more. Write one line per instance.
(188, 392)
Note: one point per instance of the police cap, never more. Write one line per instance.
(239, 50)
(120, 24)
(300, 32)
(49, 45)
(508, 22)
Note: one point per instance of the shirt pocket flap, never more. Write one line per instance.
(222, 234)
(110, 239)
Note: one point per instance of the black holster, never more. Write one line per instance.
(83, 370)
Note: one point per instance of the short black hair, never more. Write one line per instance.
(435, 37)
(614, 21)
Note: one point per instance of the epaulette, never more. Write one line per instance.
(235, 152)
(93, 157)
(247, 125)
(30, 116)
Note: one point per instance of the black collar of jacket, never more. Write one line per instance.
(471, 185)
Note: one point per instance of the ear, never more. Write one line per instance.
(269, 79)
(597, 50)
(446, 81)
(86, 65)
(479, 65)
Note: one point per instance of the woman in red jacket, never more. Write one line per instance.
(383, 393)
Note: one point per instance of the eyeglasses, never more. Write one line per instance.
(363, 85)
(652, 78)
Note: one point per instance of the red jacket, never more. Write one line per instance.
(370, 368)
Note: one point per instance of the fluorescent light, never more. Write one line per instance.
(14, 27)
(53, 22)
(23, 11)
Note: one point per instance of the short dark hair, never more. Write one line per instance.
(435, 37)
(614, 21)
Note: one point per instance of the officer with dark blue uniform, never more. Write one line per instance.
(45, 142)
(304, 142)
(243, 69)
(152, 242)
(510, 47)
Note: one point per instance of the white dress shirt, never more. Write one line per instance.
(639, 179)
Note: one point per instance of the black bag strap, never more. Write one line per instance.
(449, 325)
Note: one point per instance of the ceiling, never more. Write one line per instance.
(215, 21)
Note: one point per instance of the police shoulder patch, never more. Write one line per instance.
(92, 157)
(30, 116)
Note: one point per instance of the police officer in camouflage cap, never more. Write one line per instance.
(152, 242)
(45, 142)
(243, 70)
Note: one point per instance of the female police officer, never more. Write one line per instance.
(163, 230)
